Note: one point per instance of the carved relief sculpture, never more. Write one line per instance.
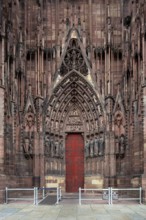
(28, 141)
(119, 134)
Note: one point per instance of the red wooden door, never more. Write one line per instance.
(74, 162)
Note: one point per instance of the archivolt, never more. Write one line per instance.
(74, 91)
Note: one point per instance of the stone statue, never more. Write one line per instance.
(122, 144)
(60, 149)
(28, 141)
(56, 149)
(91, 148)
(101, 145)
(119, 134)
(96, 147)
(119, 127)
(49, 146)
(27, 148)
(52, 151)
(87, 148)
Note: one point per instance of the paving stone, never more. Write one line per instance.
(72, 212)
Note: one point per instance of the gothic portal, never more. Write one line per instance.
(73, 93)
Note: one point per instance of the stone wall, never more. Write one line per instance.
(110, 96)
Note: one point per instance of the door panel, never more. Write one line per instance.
(74, 162)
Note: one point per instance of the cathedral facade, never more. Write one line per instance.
(73, 93)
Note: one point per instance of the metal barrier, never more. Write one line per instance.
(108, 194)
(59, 194)
(46, 192)
(120, 194)
(104, 193)
(39, 194)
(111, 194)
(33, 198)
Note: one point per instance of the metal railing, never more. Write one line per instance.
(125, 194)
(46, 193)
(22, 198)
(37, 195)
(99, 195)
(111, 194)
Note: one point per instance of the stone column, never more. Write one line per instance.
(1, 130)
(90, 19)
(41, 147)
(144, 145)
(106, 162)
(42, 162)
(36, 161)
(2, 60)
(110, 160)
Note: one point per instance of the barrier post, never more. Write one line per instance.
(79, 196)
(6, 195)
(34, 196)
(57, 195)
(111, 192)
(43, 192)
(60, 193)
(108, 195)
(140, 195)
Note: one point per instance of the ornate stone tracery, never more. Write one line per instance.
(80, 58)
(76, 107)
(76, 94)
(73, 59)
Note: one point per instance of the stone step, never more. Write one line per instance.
(70, 196)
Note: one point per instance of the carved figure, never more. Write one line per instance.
(52, 152)
(27, 148)
(119, 127)
(122, 144)
(47, 145)
(96, 147)
(56, 148)
(87, 148)
(61, 149)
(91, 148)
(28, 134)
(119, 134)
(101, 145)
(101, 121)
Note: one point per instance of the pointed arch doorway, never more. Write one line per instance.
(74, 108)
(74, 154)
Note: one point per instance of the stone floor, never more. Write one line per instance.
(72, 212)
